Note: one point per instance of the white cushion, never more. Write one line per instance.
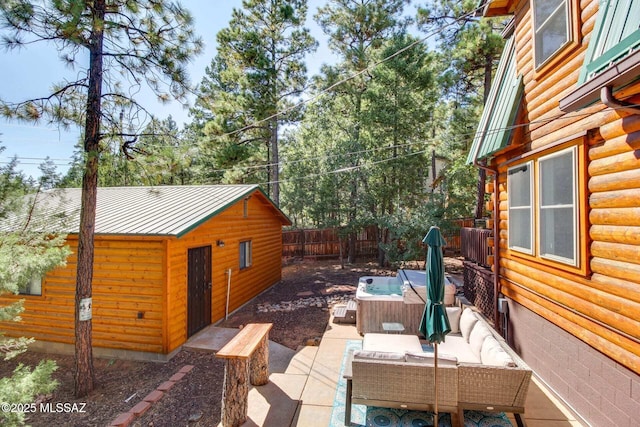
(377, 355)
(457, 345)
(477, 337)
(391, 343)
(467, 320)
(493, 354)
(427, 358)
(453, 313)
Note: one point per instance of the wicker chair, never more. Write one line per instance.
(495, 388)
(401, 385)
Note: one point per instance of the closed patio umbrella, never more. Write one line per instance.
(434, 324)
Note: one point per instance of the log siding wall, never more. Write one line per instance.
(598, 304)
(261, 226)
(128, 280)
(140, 283)
(600, 301)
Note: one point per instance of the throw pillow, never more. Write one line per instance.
(492, 354)
(477, 337)
(453, 313)
(467, 320)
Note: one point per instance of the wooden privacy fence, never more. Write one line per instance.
(324, 243)
(474, 245)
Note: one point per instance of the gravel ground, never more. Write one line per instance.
(298, 306)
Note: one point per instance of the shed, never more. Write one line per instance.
(560, 135)
(169, 261)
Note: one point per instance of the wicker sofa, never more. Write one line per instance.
(474, 372)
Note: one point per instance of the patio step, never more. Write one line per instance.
(345, 313)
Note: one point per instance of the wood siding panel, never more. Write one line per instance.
(127, 298)
(261, 226)
(599, 303)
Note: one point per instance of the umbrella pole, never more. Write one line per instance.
(435, 382)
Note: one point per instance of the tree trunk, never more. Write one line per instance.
(84, 375)
(482, 175)
(275, 160)
(235, 392)
(259, 365)
(352, 247)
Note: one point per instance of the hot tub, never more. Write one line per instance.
(392, 299)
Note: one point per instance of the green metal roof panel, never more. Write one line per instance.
(161, 210)
(615, 35)
(498, 116)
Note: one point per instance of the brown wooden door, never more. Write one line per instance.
(199, 289)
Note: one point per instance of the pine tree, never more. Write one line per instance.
(472, 48)
(258, 73)
(355, 28)
(26, 254)
(128, 43)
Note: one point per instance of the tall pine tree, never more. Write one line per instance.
(258, 73)
(355, 28)
(26, 254)
(125, 43)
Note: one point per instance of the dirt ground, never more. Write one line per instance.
(298, 306)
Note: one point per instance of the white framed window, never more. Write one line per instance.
(557, 209)
(551, 28)
(245, 254)
(33, 287)
(520, 198)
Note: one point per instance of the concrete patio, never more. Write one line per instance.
(302, 384)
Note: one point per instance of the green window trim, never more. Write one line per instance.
(615, 35)
(499, 113)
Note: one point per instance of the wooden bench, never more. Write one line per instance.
(246, 362)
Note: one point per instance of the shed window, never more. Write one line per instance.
(245, 254)
(519, 187)
(615, 34)
(552, 28)
(557, 206)
(33, 287)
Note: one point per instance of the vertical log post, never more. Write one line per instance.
(247, 362)
(235, 392)
(259, 366)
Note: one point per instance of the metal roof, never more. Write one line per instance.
(161, 210)
(499, 114)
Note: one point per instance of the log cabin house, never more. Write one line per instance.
(560, 137)
(168, 262)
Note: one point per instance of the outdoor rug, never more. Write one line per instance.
(370, 416)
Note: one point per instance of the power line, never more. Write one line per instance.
(459, 137)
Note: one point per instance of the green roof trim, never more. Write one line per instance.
(615, 35)
(499, 114)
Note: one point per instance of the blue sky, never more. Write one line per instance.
(31, 72)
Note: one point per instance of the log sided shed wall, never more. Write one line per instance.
(140, 288)
(261, 226)
(576, 324)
